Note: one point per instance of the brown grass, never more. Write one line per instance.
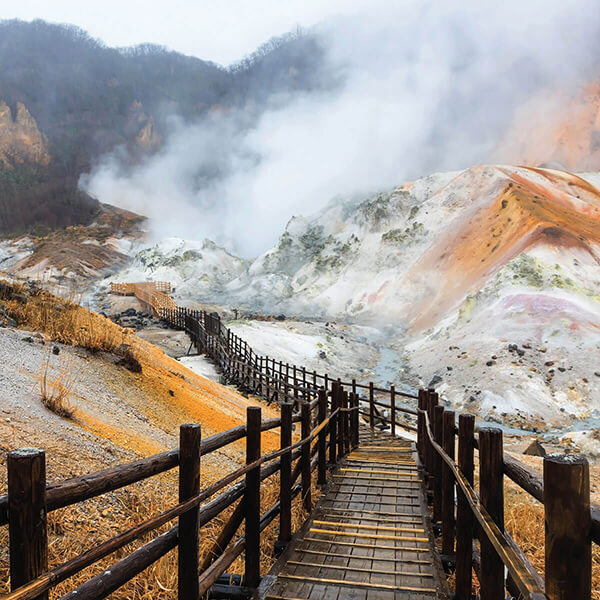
(75, 529)
(56, 385)
(64, 321)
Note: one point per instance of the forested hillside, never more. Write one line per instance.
(87, 99)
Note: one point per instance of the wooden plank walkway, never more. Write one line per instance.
(369, 537)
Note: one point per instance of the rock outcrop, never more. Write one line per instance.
(20, 138)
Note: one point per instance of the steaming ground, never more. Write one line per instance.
(405, 89)
(484, 283)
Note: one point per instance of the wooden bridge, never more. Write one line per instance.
(370, 534)
(396, 509)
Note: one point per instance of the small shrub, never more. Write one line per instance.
(130, 362)
(55, 389)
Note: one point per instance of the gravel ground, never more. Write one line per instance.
(119, 416)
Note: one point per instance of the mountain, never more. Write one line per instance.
(486, 282)
(66, 99)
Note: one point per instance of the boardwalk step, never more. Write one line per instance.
(375, 527)
(359, 570)
(371, 519)
(359, 584)
(414, 561)
(367, 546)
(370, 535)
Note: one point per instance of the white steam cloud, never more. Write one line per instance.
(427, 86)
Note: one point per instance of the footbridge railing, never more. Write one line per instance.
(471, 523)
(469, 517)
(329, 430)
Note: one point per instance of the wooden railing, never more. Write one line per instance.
(278, 381)
(329, 429)
(329, 411)
(455, 504)
(154, 295)
(264, 376)
(571, 523)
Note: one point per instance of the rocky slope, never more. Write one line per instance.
(20, 137)
(487, 282)
(75, 257)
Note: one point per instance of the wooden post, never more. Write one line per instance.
(393, 409)
(268, 381)
(371, 405)
(280, 378)
(438, 424)
(333, 424)
(304, 394)
(285, 479)
(190, 437)
(322, 459)
(448, 485)
(421, 441)
(346, 400)
(305, 456)
(27, 516)
(491, 473)
(464, 516)
(354, 404)
(432, 401)
(252, 499)
(295, 385)
(286, 389)
(421, 427)
(340, 420)
(568, 527)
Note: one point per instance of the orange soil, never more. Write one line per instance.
(119, 436)
(215, 406)
(561, 209)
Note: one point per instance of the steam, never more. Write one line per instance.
(426, 86)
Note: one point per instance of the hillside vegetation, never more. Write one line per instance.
(87, 99)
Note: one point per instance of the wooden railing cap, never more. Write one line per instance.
(566, 459)
(25, 452)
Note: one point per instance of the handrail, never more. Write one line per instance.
(49, 579)
(77, 489)
(518, 566)
(155, 295)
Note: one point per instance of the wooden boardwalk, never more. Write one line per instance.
(369, 537)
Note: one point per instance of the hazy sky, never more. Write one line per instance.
(219, 30)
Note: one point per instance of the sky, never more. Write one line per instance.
(222, 31)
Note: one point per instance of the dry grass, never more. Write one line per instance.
(56, 385)
(65, 321)
(75, 529)
(524, 520)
